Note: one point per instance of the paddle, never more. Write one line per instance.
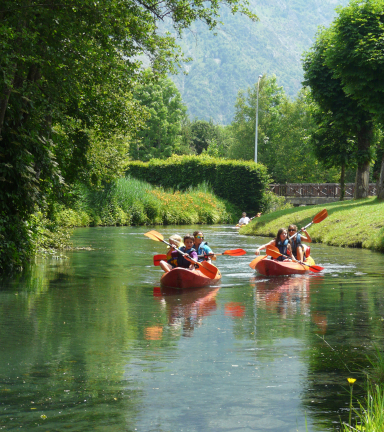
(232, 252)
(158, 258)
(275, 253)
(205, 267)
(318, 218)
(254, 262)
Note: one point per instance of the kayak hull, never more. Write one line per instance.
(269, 267)
(184, 278)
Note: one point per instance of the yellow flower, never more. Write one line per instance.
(351, 380)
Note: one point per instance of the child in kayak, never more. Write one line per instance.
(296, 246)
(181, 261)
(281, 242)
(202, 247)
(176, 240)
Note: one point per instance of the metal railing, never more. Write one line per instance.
(314, 190)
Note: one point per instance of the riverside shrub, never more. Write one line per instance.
(130, 201)
(243, 183)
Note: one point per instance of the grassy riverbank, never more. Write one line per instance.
(133, 202)
(356, 223)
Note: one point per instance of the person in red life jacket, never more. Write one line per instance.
(296, 242)
(281, 242)
(181, 261)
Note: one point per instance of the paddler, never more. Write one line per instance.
(202, 247)
(281, 242)
(295, 240)
(177, 241)
(181, 261)
(244, 219)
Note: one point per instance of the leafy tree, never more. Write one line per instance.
(283, 134)
(70, 66)
(355, 56)
(271, 98)
(161, 135)
(203, 133)
(348, 118)
(332, 147)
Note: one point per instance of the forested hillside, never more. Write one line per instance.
(241, 50)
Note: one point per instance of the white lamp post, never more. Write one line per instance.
(257, 115)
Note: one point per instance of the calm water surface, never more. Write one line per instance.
(90, 343)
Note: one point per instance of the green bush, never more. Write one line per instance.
(70, 218)
(240, 182)
(130, 201)
(272, 202)
(16, 243)
(20, 239)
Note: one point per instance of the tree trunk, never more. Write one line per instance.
(380, 183)
(3, 107)
(364, 140)
(342, 183)
(362, 180)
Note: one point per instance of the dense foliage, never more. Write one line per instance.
(68, 69)
(161, 135)
(284, 129)
(242, 183)
(341, 62)
(129, 201)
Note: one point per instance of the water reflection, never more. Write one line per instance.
(185, 309)
(286, 296)
(89, 344)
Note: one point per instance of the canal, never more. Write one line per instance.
(90, 343)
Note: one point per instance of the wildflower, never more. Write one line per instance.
(351, 380)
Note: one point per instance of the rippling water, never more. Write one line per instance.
(90, 343)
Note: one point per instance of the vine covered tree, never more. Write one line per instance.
(68, 68)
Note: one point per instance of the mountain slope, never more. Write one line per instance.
(242, 50)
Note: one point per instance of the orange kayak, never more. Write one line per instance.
(184, 278)
(269, 267)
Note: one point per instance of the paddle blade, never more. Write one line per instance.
(273, 252)
(315, 268)
(154, 235)
(208, 269)
(158, 258)
(254, 262)
(320, 216)
(234, 252)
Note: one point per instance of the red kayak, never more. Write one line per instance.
(270, 267)
(184, 278)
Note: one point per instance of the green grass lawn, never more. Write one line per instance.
(356, 223)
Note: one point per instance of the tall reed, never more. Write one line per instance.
(369, 417)
(133, 202)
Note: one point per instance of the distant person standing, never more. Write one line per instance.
(244, 220)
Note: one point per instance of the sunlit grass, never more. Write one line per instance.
(134, 202)
(356, 223)
(369, 417)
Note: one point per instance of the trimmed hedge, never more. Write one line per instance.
(242, 183)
